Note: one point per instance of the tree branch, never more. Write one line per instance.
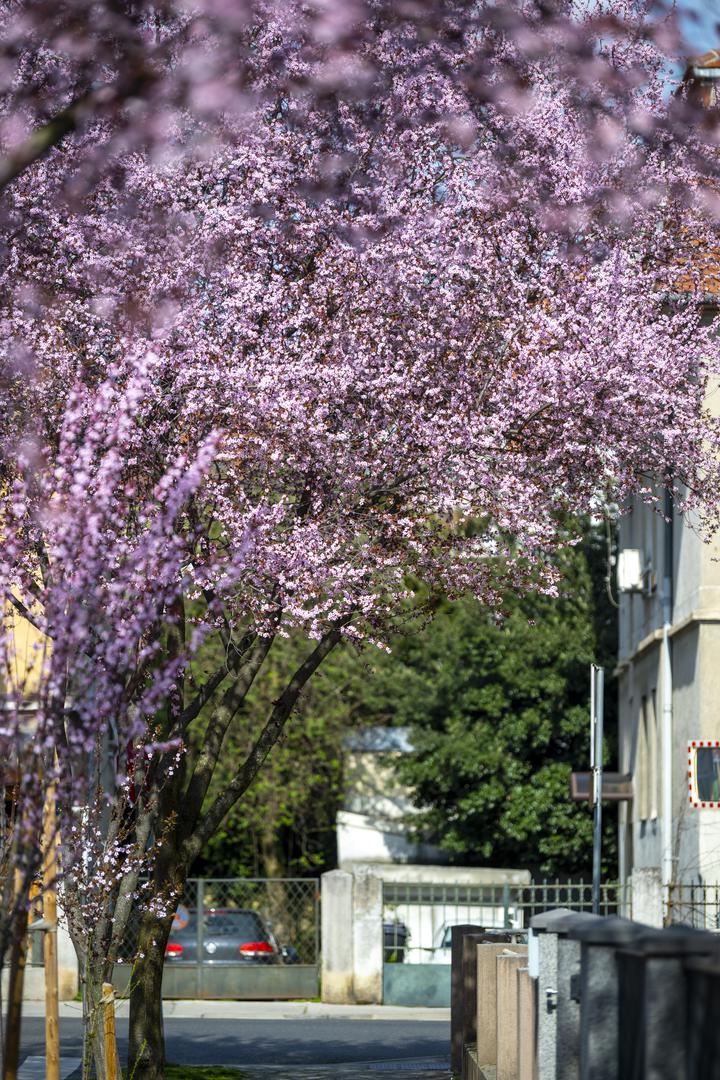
(44, 138)
(263, 745)
(220, 722)
(25, 612)
(139, 76)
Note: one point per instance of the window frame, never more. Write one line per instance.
(693, 797)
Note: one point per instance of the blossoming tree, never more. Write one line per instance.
(388, 305)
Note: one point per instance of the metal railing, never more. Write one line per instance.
(615, 898)
(418, 917)
(694, 904)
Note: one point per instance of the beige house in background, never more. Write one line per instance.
(21, 680)
(373, 824)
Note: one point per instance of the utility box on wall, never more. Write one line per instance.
(630, 571)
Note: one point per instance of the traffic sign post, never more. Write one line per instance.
(597, 693)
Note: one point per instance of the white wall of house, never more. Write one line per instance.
(373, 825)
(369, 838)
(695, 644)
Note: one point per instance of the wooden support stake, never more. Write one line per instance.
(16, 978)
(52, 1014)
(111, 1061)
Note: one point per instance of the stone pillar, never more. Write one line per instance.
(507, 966)
(470, 945)
(486, 1016)
(652, 1037)
(568, 993)
(599, 1014)
(367, 937)
(544, 953)
(703, 996)
(527, 1003)
(599, 994)
(460, 1024)
(337, 938)
(647, 896)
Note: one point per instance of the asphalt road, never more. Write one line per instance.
(271, 1042)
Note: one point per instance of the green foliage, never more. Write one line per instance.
(285, 823)
(499, 717)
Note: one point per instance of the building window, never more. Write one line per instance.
(643, 787)
(704, 774)
(646, 785)
(653, 755)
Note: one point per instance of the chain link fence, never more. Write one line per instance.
(288, 907)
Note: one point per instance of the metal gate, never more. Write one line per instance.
(417, 926)
(285, 910)
(418, 921)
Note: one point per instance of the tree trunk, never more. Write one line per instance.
(93, 1032)
(190, 834)
(146, 1057)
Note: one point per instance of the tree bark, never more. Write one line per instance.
(93, 1041)
(193, 827)
(146, 1056)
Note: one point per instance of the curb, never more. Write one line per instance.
(260, 1010)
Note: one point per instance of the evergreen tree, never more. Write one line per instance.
(499, 718)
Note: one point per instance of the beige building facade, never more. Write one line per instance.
(669, 698)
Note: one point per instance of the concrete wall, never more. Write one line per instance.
(337, 943)
(647, 896)
(34, 983)
(352, 937)
(352, 912)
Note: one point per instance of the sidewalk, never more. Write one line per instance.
(261, 1010)
(33, 1068)
(370, 1070)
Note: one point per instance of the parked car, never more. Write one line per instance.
(290, 954)
(395, 939)
(230, 936)
(442, 943)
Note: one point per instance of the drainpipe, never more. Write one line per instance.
(667, 708)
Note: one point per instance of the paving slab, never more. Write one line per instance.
(370, 1070)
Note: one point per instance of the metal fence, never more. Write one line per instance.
(615, 898)
(694, 904)
(418, 921)
(288, 909)
(418, 918)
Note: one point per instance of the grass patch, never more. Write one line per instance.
(201, 1072)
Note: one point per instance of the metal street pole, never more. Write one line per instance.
(597, 693)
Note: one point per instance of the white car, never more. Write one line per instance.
(440, 953)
